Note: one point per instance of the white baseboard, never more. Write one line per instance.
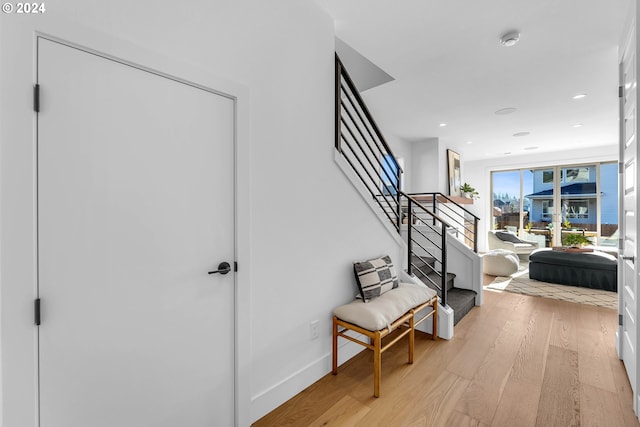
(267, 400)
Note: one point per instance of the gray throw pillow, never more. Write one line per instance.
(375, 277)
(506, 236)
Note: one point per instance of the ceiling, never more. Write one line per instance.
(449, 67)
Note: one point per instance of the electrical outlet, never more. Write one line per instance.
(314, 331)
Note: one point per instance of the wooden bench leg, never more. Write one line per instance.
(374, 341)
(412, 338)
(334, 369)
(434, 335)
(377, 364)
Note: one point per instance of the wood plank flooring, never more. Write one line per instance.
(516, 361)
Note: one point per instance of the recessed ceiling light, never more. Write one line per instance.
(469, 142)
(504, 111)
(510, 38)
(522, 134)
(442, 125)
(579, 96)
(577, 125)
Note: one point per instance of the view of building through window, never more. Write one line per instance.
(389, 175)
(547, 204)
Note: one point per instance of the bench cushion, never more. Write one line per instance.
(381, 312)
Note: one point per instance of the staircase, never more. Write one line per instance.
(460, 300)
(426, 221)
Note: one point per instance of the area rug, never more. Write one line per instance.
(520, 283)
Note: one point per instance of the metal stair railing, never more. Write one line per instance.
(427, 243)
(364, 148)
(464, 224)
(362, 145)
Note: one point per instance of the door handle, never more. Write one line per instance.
(629, 258)
(223, 268)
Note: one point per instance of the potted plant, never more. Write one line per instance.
(469, 192)
(576, 240)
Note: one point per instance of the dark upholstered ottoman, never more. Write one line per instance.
(595, 270)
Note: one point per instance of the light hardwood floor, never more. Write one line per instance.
(515, 361)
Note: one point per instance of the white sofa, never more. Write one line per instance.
(500, 239)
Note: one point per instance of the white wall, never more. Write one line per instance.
(478, 173)
(425, 166)
(306, 223)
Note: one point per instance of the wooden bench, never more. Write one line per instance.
(381, 316)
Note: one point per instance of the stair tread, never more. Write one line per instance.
(435, 277)
(422, 260)
(461, 301)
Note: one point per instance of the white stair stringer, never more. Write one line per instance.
(461, 261)
(366, 196)
(445, 314)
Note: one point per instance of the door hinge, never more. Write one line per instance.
(235, 266)
(36, 98)
(619, 319)
(620, 92)
(36, 307)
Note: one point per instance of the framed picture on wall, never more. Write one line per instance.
(453, 168)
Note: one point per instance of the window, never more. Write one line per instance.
(506, 199)
(578, 209)
(529, 198)
(390, 175)
(576, 175)
(547, 208)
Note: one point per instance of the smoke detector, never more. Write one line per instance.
(510, 38)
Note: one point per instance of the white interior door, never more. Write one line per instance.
(135, 206)
(627, 283)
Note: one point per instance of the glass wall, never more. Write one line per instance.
(547, 204)
(609, 204)
(506, 200)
